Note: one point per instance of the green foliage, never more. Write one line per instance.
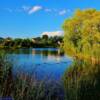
(82, 33)
(82, 81)
(45, 37)
(37, 42)
(82, 41)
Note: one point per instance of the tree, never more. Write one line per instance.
(17, 42)
(1, 40)
(45, 37)
(26, 43)
(82, 33)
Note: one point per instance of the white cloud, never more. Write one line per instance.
(52, 34)
(48, 10)
(25, 8)
(63, 12)
(35, 9)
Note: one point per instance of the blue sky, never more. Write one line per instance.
(31, 18)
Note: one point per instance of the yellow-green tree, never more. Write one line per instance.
(82, 34)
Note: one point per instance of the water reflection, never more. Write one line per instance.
(49, 54)
(42, 62)
(34, 74)
(34, 71)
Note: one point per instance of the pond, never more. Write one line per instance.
(40, 62)
(47, 74)
(38, 71)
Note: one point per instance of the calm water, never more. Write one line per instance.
(42, 63)
(56, 75)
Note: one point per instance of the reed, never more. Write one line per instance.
(24, 87)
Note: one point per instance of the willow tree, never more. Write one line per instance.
(82, 34)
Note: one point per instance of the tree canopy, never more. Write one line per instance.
(82, 33)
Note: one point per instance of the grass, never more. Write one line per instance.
(82, 81)
(24, 87)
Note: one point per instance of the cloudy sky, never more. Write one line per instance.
(31, 18)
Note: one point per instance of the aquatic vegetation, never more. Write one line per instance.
(81, 81)
(26, 87)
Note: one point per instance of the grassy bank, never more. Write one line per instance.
(82, 81)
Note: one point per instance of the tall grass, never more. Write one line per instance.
(24, 87)
(82, 81)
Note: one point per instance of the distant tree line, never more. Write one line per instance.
(38, 42)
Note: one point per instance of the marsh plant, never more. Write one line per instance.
(82, 81)
(25, 87)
